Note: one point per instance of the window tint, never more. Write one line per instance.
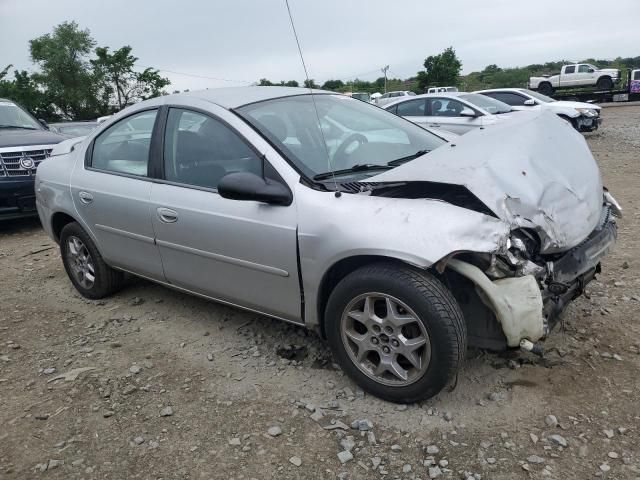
(124, 147)
(393, 109)
(445, 107)
(412, 108)
(636, 75)
(570, 69)
(199, 150)
(583, 69)
(509, 98)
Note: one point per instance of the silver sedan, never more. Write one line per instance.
(398, 247)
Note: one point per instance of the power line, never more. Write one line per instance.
(197, 75)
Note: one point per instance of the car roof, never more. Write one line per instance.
(431, 95)
(520, 90)
(234, 97)
(78, 122)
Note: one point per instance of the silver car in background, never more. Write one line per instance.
(454, 112)
(399, 248)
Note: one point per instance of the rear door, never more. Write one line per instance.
(240, 252)
(444, 112)
(569, 76)
(111, 194)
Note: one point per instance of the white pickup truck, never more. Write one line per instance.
(576, 75)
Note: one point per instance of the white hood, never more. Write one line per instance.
(534, 171)
(570, 104)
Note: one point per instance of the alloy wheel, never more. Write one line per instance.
(385, 339)
(81, 262)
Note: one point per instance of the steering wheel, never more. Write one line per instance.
(341, 156)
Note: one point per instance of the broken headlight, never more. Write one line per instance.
(523, 248)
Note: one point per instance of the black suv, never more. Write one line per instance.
(24, 143)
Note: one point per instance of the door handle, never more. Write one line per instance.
(85, 197)
(167, 215)
(434, 124)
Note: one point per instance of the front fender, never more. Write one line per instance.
(416, 231)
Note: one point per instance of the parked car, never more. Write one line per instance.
(392, 97)
(24, 144)
(73, 129)
(584, 117)
(442, 89)
(397, 247)
(576, 75)
(454, 112)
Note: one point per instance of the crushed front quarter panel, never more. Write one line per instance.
(533, 172)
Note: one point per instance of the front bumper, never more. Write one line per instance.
(17, 198)
(527, 307)
(586, 123)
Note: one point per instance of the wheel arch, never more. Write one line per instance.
(58, 221)
(343, 267)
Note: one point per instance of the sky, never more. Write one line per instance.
(221, 43)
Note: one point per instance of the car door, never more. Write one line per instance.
(414, 110)
(584, 76)
(569, 76)
(444, 112)
(240, 252)
(111, 194)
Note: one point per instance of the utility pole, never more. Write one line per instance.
(384, 71)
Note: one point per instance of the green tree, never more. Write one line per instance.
(333, 85)
(440, 70)
(121, 83)
(310, 83)
(24, 90)
(265, 83)
(292, 83)
(65, 72)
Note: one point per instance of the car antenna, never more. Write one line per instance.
(315, 107)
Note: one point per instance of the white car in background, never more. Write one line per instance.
(393, 96)
(584, 117)
(456, 112)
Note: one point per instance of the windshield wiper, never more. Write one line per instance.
(18, 126)
(360, 167)
(401, 160)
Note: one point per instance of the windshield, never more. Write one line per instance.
(489, 104)
(11, 115)
(538, 96)
(354, 133)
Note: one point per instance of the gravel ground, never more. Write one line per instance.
(152, 383)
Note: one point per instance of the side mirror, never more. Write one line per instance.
(591, 70)
(467, 112)
(44, 123)
(529, 102)
(249, 186)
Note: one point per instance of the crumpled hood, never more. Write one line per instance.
(534, 172)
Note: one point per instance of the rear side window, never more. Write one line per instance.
(124, 147)
(509, 98)
(412, 108)
(636, 75)
(570, 69)
(199, 150)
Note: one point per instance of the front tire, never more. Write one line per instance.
(604, 83)
(396, 331)
(88, 272)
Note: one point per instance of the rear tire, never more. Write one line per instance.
(545, 88)
(604, 83)
(88, 272)
(396, 331)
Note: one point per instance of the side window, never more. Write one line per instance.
(445, 107)
(412, 108)
(199, 150)
(124, 147)
(509, 98)
(570, 69)
(393, 109)
(636, 75)
(583, 68)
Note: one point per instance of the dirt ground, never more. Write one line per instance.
(229, 376)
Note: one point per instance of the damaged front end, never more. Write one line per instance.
(526, 290)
